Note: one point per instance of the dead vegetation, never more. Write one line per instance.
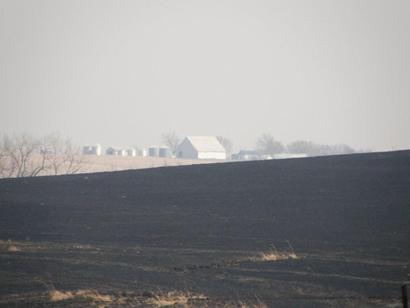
(13, 248)
(174, 298)
(188, 299)
(56, 296)
(273, 254)
(9, 246)
(92, 298)
(26, 156)
(257, 304)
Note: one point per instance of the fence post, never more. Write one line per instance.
(404, 296)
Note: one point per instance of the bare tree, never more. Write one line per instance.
(227, 145)
(73, 160)
(3, 162)
(267, 145)
(20, 150)
(312, 149)
(342, 149)
(172, 141)
(302, 147)
(61, 156)
(23, 155)
(51, 148)
(6, 168)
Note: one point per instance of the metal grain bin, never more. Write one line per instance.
(165, 152)
(153, 151)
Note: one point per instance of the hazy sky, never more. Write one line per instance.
(124, 72)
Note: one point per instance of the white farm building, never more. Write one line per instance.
(92, 149)
(201, 147)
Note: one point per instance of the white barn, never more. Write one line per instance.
(201, 147)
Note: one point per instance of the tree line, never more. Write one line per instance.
(268, 145)
(26, 156)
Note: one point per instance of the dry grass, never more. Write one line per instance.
(10, 246)
(13, 248)
(271, 256)
(174, 299)
(258, 304)
(94, 295)
(104, 163)
(274, 254)
(115, 163)
(56, 296)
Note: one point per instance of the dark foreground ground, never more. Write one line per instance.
(208, 235)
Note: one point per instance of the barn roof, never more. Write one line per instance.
(206, 143)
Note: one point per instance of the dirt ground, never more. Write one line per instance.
(311, 232)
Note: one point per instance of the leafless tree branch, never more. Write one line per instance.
(22, 155)
(172, 141)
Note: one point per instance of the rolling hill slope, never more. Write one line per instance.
(338, 225)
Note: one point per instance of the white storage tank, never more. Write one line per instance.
(92, 149)
(143, 153)
(165, 152)
(153, 151)
(131, 152)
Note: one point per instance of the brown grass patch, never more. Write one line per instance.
(56, 295)
(9, 246)
(94, 295)
(13, 248)
(258, 304)
(274, 254)
(174, 299)
(271, 256)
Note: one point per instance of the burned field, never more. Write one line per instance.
(314, 232)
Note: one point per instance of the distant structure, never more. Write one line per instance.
(121, 151)
(143, 153)
(165, 151)
(92, 149)
(246, 155)
(201, 147)
(110, 151)
(153, 151)
(131, 152)
(255, 155)
(288, 155)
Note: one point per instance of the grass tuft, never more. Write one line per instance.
(271, 256)
(274, 254)
(258, 304)
(56, 296)
(13, 248)
(174, 299)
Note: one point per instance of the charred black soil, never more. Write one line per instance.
(312, 232)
